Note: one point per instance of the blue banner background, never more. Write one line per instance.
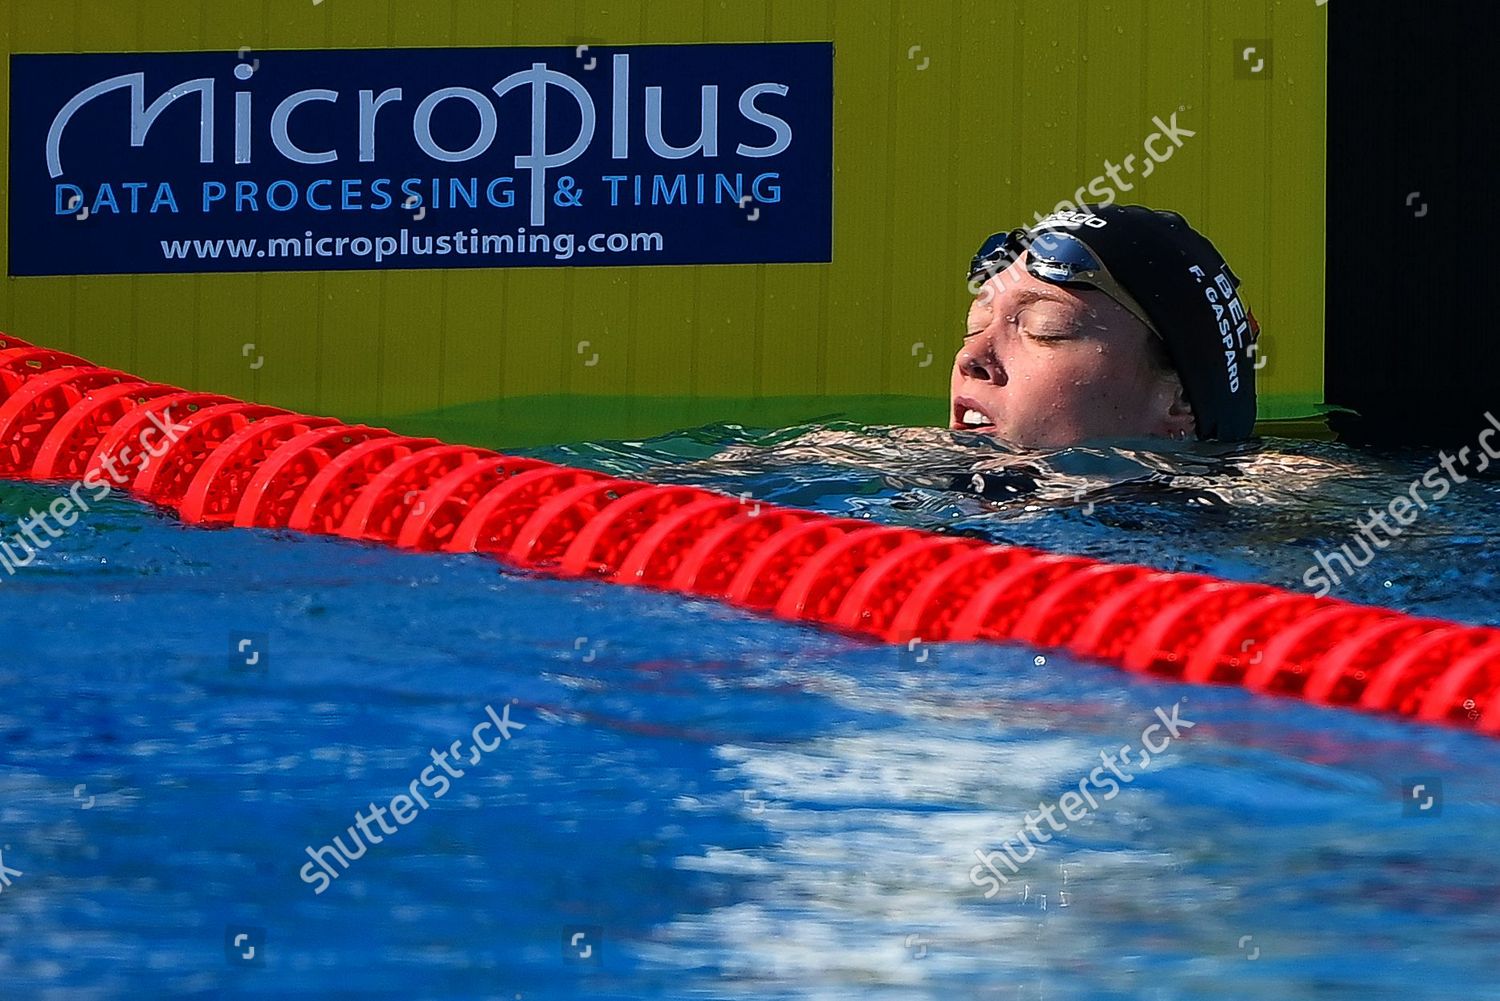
(794, 225)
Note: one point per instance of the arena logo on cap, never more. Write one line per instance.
(1231, 316)
(204, 150)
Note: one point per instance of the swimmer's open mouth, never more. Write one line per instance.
(969, 416)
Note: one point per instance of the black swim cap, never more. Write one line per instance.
(1191, 296)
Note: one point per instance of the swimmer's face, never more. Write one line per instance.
(1049, 367)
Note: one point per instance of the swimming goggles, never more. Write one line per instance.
(1057, 258)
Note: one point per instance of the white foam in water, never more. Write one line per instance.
(871, 767)
(865, 878)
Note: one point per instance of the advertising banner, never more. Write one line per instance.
(310, 160)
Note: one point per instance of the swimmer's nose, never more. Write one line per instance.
(975, 363)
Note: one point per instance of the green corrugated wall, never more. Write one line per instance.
(1018, 105)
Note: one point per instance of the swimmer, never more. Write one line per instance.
(1115, 322)
(1112, 325)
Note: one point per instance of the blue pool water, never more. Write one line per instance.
(724, 806)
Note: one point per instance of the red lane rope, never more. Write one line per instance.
(225, 461)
